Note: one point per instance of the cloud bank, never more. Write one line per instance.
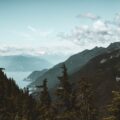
(86, 36)
(40, 51)
(99, 33)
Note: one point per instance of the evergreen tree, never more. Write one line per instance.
(72, 104)
(65, 97)
(45, 105)
(45, 99)
(15, 104)
(114, 107)
(86, 109)
(64, 90)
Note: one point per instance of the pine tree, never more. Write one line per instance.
(114, 108)
(64, 90)
(85, 101)
(15, 104)
(45, 104)
(65, 97)
(45, 99)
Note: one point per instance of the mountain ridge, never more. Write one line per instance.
(23, 63)
(73, 64)
(104, 76)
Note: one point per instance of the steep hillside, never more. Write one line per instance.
(15, 103)
(103, 72)
(34, 75)
(73, 64)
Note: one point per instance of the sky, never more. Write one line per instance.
(57, 27)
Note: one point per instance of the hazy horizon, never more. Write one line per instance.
(57, 28)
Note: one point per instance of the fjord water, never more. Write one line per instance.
(19, 77)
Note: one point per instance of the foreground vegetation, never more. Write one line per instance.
(68, 102)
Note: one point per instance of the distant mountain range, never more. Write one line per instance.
(23, 63)
(34, 75)
(73, 64)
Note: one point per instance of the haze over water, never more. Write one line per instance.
(19, 78)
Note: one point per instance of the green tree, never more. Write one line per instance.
(15, 104)
(45, 103)
(45, 99)
(114, 108)
(64, 90)
(85, 101)
(65, 97)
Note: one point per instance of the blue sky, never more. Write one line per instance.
(57, 26)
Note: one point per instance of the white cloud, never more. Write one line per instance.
(116, 20)
(39, 51)
(89, 16)
(99, 33)
(99, 26)
(31, 28)
(15, 50)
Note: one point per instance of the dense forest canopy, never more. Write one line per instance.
(69, 102)
(18, 104)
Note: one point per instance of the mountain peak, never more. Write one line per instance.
(114, 46)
